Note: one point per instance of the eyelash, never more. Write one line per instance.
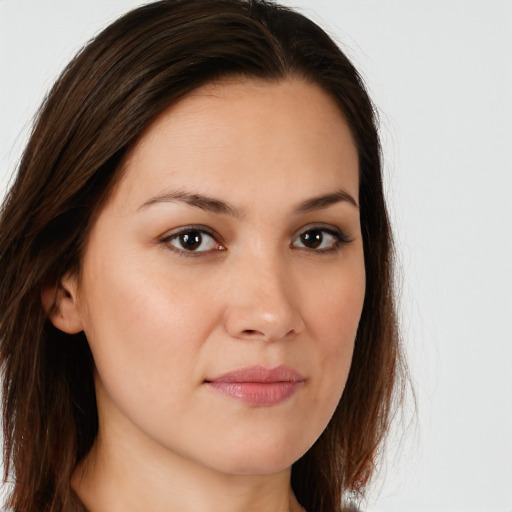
(340, 240)
(187, 230)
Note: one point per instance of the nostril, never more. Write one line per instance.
(250, 332)
(254, 321)
(254, 333)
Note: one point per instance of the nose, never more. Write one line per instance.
(262, 302)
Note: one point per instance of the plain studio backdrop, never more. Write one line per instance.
(440, 73)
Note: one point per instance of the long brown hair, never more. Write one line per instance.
(112, 90)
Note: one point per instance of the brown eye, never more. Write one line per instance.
(320, 239)
(192, 241)
(312, 238)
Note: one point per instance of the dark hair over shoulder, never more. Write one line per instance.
(106, 97)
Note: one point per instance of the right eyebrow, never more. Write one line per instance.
(203, 202)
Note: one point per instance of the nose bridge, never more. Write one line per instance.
(262, 304)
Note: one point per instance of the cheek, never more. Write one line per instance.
(143, 326)
(336, 305)
(334, 312)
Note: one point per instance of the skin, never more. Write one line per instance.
(160, 322)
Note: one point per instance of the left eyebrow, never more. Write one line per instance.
(324, 201)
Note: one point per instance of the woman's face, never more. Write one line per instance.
(223, 281)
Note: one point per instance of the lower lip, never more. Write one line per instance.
(258, 393)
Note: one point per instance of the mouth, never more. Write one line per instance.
(259, 386)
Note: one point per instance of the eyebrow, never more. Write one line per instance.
(218, 206)
(206, 203)
(324, 201)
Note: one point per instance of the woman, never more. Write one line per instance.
(196, 301)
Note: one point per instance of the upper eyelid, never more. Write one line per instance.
(199, 227)
(329, 228)
(186, 229)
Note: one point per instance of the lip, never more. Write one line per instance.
(257, 385)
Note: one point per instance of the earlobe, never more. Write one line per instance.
(60, 304)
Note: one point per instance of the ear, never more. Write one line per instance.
(60, 303)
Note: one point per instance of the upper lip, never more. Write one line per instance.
(261, 374)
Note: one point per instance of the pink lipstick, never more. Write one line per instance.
(259, 386)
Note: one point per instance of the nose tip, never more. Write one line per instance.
(267, 314)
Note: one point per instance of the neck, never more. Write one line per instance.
(130, 475)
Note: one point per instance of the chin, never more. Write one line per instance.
(259, 458)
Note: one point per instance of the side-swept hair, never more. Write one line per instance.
(106, 97)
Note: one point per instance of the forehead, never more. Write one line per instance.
(242, 136)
